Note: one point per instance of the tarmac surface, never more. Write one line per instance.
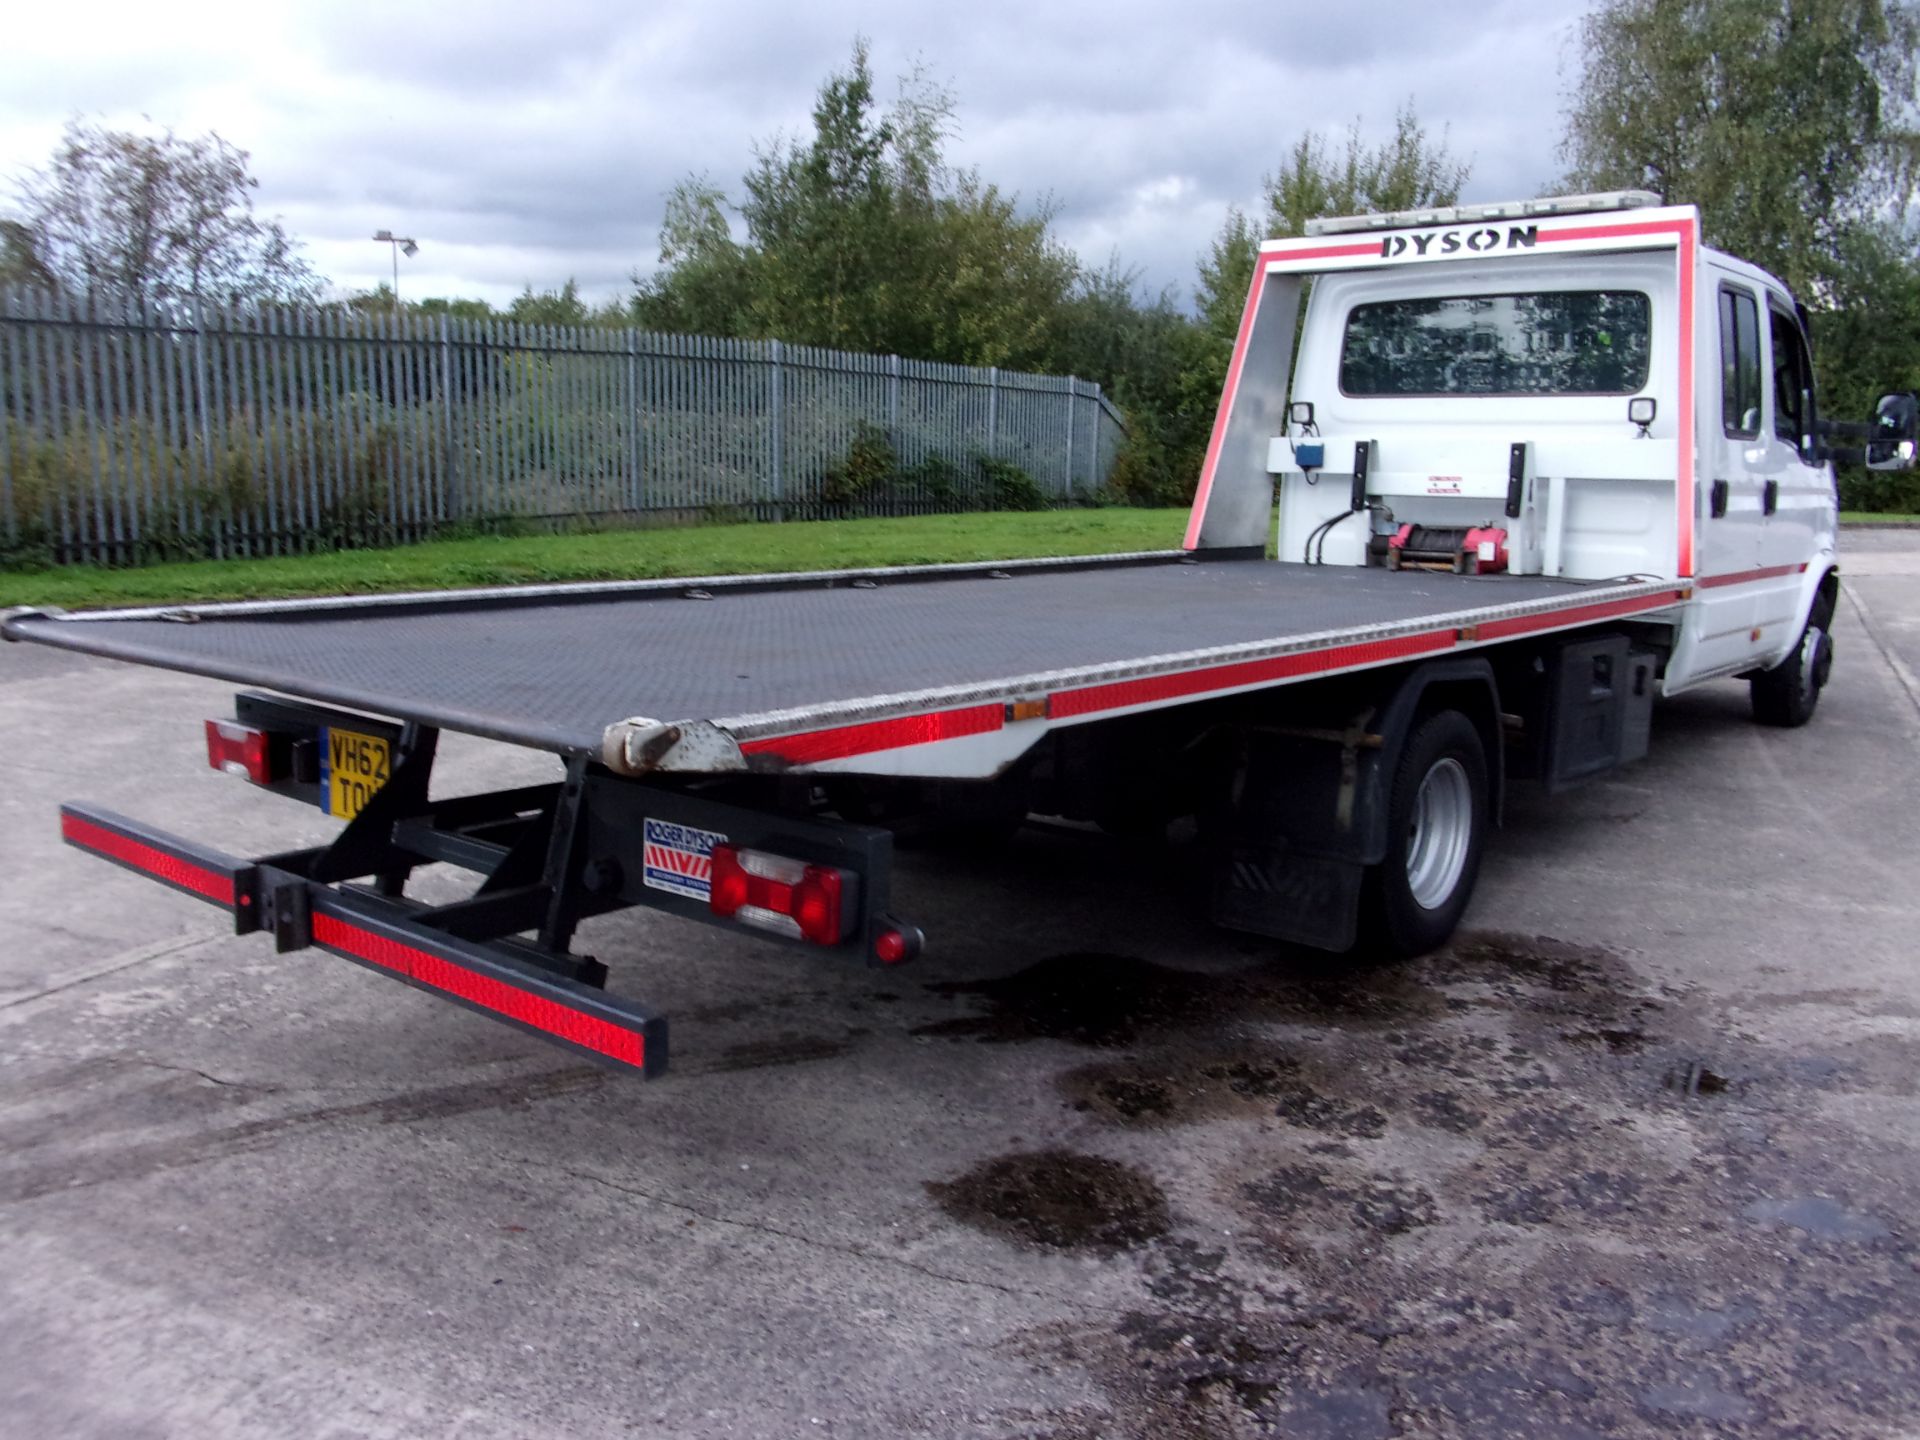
(1636, 1155)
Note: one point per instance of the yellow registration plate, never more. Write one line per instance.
(356, 765)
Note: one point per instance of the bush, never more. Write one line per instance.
(870, 465)
(1009, 487)
(1880, 491)
(1145, 473)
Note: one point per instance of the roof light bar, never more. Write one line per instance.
(1496, 210)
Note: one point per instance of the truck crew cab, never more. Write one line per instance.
(1530, 466)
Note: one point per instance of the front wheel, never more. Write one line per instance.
(1437, 820)
(1787, 694)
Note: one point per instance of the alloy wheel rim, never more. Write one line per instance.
(1439, 833)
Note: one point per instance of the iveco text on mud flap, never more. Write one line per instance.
(1532, 465)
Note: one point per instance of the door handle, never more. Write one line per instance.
(1717, 499)
(1770, 497)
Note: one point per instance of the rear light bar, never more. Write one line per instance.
(774, 893)
(382, 935)
(241, 750)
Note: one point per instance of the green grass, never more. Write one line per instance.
(610, 555)
(1878, 517)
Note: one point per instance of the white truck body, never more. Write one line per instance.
(1723, 492)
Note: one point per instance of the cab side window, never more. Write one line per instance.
(1792, 385)
(1739, 363)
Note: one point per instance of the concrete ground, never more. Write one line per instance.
(1636, 1155)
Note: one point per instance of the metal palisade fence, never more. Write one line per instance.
(133, 432)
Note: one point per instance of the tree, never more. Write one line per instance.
(1403, 172)
(551, 307)
(1791, 124)
(155, 217)
(1788, 122)
(1159, 366)
(861, 237)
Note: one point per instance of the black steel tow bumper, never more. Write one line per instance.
(548, 856)
(390, 935)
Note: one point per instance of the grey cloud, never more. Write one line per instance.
(526, 144)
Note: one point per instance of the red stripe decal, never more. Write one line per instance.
(814, 746)
(1579, 615)
(1153, 688)
(1742, 577)
(209, 884)
(1684, 498)
(1225, 412)
(1319, 252)
(590, 1032)
(1616, 232)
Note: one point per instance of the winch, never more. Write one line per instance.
(1468, 550)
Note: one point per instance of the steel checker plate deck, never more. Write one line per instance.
(780, 663)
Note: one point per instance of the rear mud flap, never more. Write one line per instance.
(1306, 899)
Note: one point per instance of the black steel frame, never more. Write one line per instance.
(548, 856)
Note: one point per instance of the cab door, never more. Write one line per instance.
(1797, 508)
(1732, 489)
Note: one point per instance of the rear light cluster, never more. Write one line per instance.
(787, 897)
(239, 750)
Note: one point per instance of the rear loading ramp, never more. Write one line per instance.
(850, 672)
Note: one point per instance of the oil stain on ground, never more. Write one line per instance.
(1465, 1197)
(1107, 1001)
(1059, 1199)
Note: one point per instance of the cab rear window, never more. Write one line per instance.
(1563, 342)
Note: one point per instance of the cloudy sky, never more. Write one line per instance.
(524, 143)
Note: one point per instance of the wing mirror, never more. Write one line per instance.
(1893, 435)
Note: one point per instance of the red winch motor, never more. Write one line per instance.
(1477, 550)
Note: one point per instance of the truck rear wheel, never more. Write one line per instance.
(1787, 694)
(1436, 828)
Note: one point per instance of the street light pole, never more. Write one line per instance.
(401, 244)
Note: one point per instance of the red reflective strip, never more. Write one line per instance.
(848, 740)
(1150, 689)
(1579, 615)
(213, 885)
(1771, 572)
(589, 1032)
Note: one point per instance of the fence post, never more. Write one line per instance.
(202, 401)
(993, 412)
(1073, 389)
(779, 448)
(633, 422)
(453, 503)
(893, 400)
(1093, 450)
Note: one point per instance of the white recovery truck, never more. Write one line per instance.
(1536, 464)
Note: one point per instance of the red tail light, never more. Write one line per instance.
(788, 897)
(239, 750)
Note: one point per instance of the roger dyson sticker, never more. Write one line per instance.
(679, 858)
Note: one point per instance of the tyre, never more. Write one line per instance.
(1437, 823)
(1787, 694)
